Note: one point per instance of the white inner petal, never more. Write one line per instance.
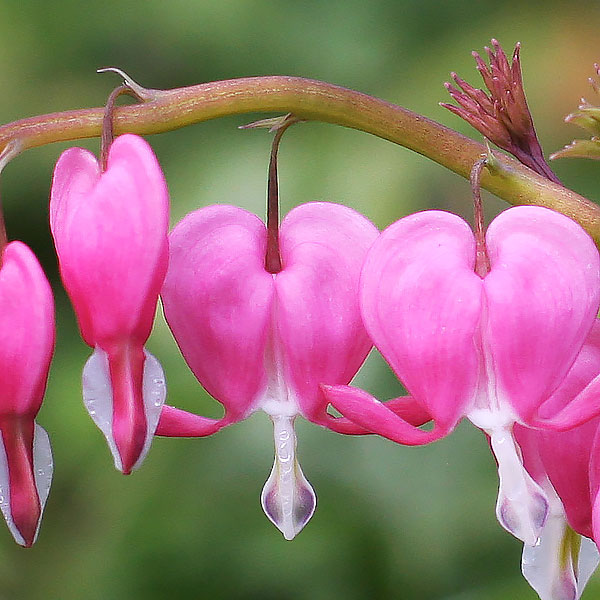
(287, 498)
(98, 399)
(43, 465)
(522, 506)
(155, 392)
(561, 562)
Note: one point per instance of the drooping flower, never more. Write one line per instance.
(110, 230)
(26, 346)
(491, 348)
(560, 564)
(261, 340)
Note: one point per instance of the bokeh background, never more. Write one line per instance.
(392, 522)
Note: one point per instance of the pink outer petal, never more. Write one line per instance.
(594, 478)
(528, 441)
(421, 304)
(26, 331)
(25, 507)
(596, 517)
(323, 246)
(129, 425)
(542, 294)
(582, 408)
(175, 422)
(577, 400)
(565, 456)
(110, 231)
(217, 299)
(367, 412)
(407, 408)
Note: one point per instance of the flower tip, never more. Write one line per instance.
(290, 504)
(287, 498)
(129, 440)
(24, 481)
(26, 519)
(126, 413)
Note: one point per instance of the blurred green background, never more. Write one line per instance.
(392, 522)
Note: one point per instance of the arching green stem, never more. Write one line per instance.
(311, 100)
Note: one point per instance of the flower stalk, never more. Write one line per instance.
(108, 134)
(308, 99)
(10, 151)
(482, 260)
(3, 237)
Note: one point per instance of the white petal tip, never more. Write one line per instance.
(287, 498)
(561, 563)
(522, 507)
(289, 505)
(523, 517)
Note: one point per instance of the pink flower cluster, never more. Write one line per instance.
(515, 350)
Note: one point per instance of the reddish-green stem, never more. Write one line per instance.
(273, 257)
(311, 100)
(482, 259)
(3, 237)
(107, 136)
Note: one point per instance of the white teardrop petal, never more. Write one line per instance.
(522, 506)
(287, 498)
(98, 398)
(589, 558)
(541, 564)
(548, 566)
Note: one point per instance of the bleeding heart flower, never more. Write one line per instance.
(492, 348)
(110, 230)
(258, 340)
(26, 346)
(559, 565)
